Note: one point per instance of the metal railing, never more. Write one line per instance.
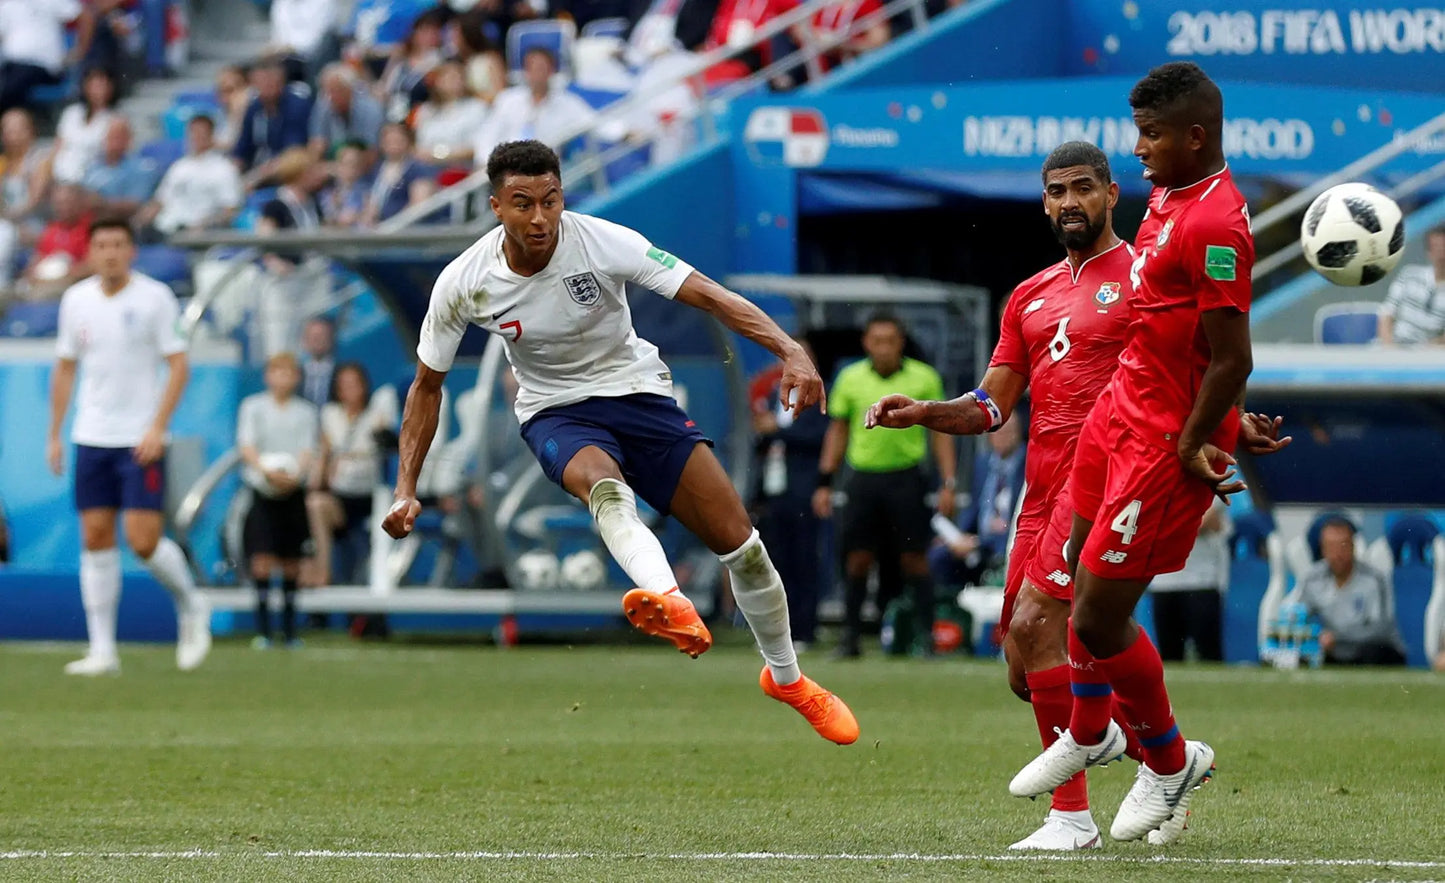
(593, 162)
(1289, 207)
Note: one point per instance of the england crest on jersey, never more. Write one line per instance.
(584, 288)
(1107, 294)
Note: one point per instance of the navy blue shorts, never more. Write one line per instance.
(110, 478)
(648, 435)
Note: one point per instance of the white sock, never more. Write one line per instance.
(100, 593)
(758, 590)
(168, 565)
(632, 544)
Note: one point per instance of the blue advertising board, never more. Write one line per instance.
(1385, 45)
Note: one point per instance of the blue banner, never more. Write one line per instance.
(1010, 127)
(1387, 45)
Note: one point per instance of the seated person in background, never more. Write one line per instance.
(344, 199)
(24, 174)
(200, 190)
(32, 46)
(1353, 603)
(286, 294)
(834, 20)
(1188, 604)
(305, 27)
(402, 84)
(998, 479)
(276, 432)
(400, 179)
(535, 110)
(59, 259)
(735, 25)
(448, 123)
(120, 182)
(80, 133)
(1414, 310)
(486, 71)
(345, 111)
(233, 94)
(277, 119)
(356, 430)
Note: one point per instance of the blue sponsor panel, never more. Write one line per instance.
(1387, 45)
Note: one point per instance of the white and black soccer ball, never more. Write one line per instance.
(1353, 234)
(583, 571)
(537, 571)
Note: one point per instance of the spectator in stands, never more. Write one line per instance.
(998, 479)
(400, 180)
(24, 174)
(345, 111)
(305, 28)
(318, 361)
(735, 26)
(668, 23)
(1352, 601)
(833, 21)
(536, 109)
(101, 33)
(276, 120)
(200, 190)
(486, 70)
(286, 294)
(402, 85)
(32, 46)
(233, 93)
(344, 199)
(80, 134)
(1189, 603)
(121, 181)
(356, 429)
(582, 12)
(59, 259)
(1414, 310)
(448, 124)
(276, 432)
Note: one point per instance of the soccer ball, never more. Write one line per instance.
(583, 571)
(1353, 234)
(537, 571)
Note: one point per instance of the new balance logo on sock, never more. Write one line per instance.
(1058, 577)
(1114, 557)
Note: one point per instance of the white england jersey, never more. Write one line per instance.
(121, 342)
(567, 330)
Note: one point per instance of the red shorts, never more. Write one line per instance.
(1048, 472)
(1144, 508)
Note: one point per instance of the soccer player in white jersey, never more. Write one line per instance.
(596, 407)
(119, 327)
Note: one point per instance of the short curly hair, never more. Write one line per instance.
(1078, 153)
(1182, 92)
(529, 158)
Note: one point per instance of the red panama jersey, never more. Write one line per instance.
(1193, 254)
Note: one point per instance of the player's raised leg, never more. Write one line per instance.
(656, 606)
(144, 495)
(707, 504)
(99, 587)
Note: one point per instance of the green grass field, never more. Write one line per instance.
(347, 762)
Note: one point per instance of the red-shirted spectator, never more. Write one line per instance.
(736, 25)
(835, 19)
(59, 260)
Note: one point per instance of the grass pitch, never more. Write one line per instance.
(345, 762)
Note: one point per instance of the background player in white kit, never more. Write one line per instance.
(119, 327)
(596, 407)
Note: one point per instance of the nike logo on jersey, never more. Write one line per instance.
(1033, 305)
(496, 316)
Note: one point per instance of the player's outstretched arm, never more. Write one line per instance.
(965, 415)
(62, 386)
(418, 428)
(1231, 360)
(801, 387)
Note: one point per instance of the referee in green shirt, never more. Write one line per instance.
(886, 509)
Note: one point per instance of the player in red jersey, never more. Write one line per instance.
(1061, 334)
(1153, 453)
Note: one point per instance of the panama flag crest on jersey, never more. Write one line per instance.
(791, 136)
(1107, 294)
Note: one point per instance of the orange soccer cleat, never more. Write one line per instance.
(828, 714)
(668, 615)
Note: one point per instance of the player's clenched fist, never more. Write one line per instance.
(894, 412)
(401, 517)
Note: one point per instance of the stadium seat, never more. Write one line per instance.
(1355, 322)
(166, 264)
(1250, 574)
(598, 98)
(31, 320)
(163, 153)
(1411, 541)
(551, 34)
(607, 27)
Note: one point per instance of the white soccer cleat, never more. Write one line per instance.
(1061, 760)
(1063, 832)
(93, 666)
(1155, 800)
(193, 639)
(1173, 827)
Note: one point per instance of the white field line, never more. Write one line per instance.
(523, 856)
